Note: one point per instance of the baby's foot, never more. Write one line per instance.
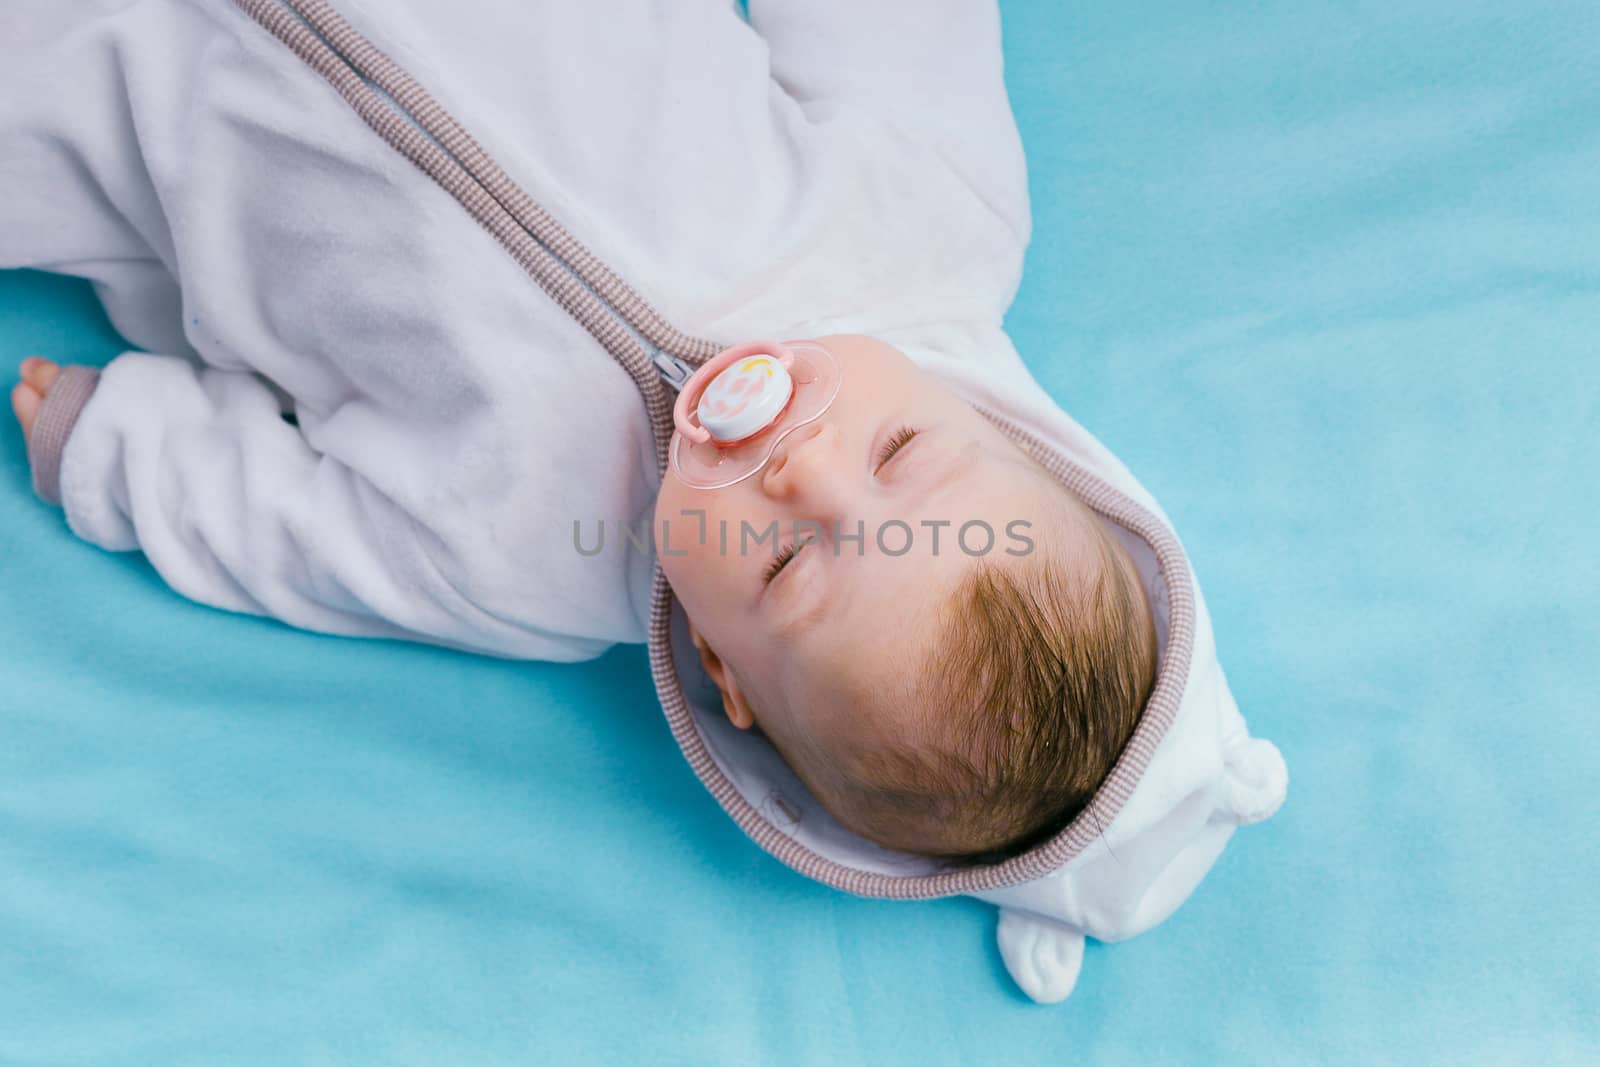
(38, 374)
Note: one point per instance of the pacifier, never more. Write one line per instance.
(735, 409)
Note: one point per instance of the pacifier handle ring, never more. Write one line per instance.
(683, 409)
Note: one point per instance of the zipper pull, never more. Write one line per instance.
(674, 370)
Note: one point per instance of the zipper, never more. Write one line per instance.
(674, 371)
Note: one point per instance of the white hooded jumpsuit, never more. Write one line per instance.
(455, 241)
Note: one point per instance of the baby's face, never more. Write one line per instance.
(905, 462)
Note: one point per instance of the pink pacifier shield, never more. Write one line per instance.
(735, 409)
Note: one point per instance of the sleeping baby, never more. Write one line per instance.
(394, 374)
(935, 698)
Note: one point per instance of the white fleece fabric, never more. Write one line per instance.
(824, 167)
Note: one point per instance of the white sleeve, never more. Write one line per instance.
(935, 68)
(233, 507)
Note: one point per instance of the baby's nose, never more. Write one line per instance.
(794, 441)
(805, 465)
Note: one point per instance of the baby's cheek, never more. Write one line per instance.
(710, 519)
(686, 538)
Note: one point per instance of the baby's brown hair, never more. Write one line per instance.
(1029, 696)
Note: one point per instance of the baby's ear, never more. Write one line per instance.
(733, 701)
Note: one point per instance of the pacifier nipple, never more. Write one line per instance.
(745, 398)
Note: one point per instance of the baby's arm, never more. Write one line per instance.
(233, 508)
(934, 68)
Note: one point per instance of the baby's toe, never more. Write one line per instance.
(39, 373)
(25, 404)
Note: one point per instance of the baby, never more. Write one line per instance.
(936, 695)
(381, 386)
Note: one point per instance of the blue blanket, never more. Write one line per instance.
(1326, 276)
